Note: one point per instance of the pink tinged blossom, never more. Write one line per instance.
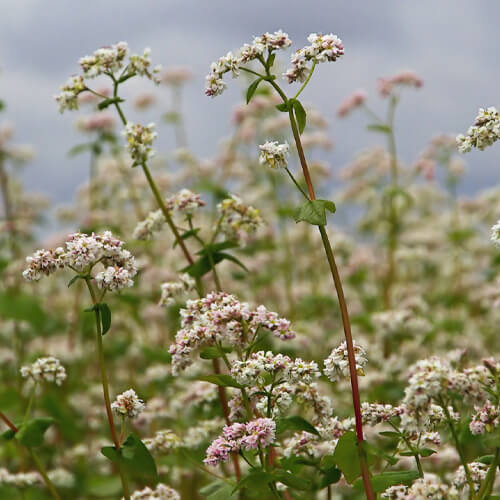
(352, 102)
(386, 86)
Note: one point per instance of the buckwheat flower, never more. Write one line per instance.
(97, 122)
(260, 432)
(272, 41)
(374, 413)
(62, 478)
(114, 278)
(172, 291)
(162, 492)
(337, 364)
(128, 405)
(219, 451)
(485, 419)
(215, 85)
(108, 59)
(484, 132)
(139, 141)
(176, 75)
(274, 155)
(405, 78)
(495, 234)
(45, 370)
(185, 201)
(154, 222)
(163, 442)
(238, 220)
(68, 98)
(141, 65)
(431, 486)
(323, 48)
(478, 472)
(354, 101)
(19, 479)
(43, 263)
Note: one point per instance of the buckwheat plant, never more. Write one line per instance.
(262, 53)
(105, 266)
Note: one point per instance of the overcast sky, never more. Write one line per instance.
(452, 44)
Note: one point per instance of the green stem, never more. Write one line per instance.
(306, 80)
(294, 180)
(43, 473)
(105, 387)
(489, 480)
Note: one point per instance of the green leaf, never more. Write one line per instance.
(256, 479)
(379, 127)
(2, 105)
(380, 482)
(293, 480)
(391, 434)
(31, 433)
(283, 107)
(346, 456)
(171, 117)
(330, 476)
(219, 490)
(221, 380)
(213, 352)
(485, 459)
(109, 101)
(426, 452)
(215, 247)
(314, 211)
(252, 88)
(202, 266)
(187, 234)
(104, 486)
(300, 114)
(8, 435)
(232, 258)
(295, 423)
(326, 463)
(134, 455)
(74, 278)
(78, 149)
(105, 312)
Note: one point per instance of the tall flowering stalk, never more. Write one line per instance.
(322, 48)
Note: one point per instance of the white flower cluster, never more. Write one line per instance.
(374, 413)
(19, 479)
(279, 366)
(220, 317)
(337, 364)
(185, 202)
(484, 132)
(486, 418)
(80, 254)
(140, 141)
(429, 487)
(45, 370)
(273, 154)
(163, 442)
(406, 78)
(323, 48)
(477, 471)
(96, 122)
(495, 234)
(161, 492)
(68, 98)
(172, 291)
(433, 378)
(152, 223)
(238, 220)
(128, 404)
(215, 85)
(105, 61)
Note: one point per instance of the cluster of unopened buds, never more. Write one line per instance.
(274, 154)
(280, 366)
(128, 405)
(484, 132)
(106, 61)
(255, 434)
(45, 370)
(486, 418)
(238, 221)
(337, 363)
(405, 78)
(81, 253)
(221, 318)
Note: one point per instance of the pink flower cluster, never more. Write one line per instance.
(485, 419)
(405, 78)
(220, 317)
(250, 436)
(355, 100)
